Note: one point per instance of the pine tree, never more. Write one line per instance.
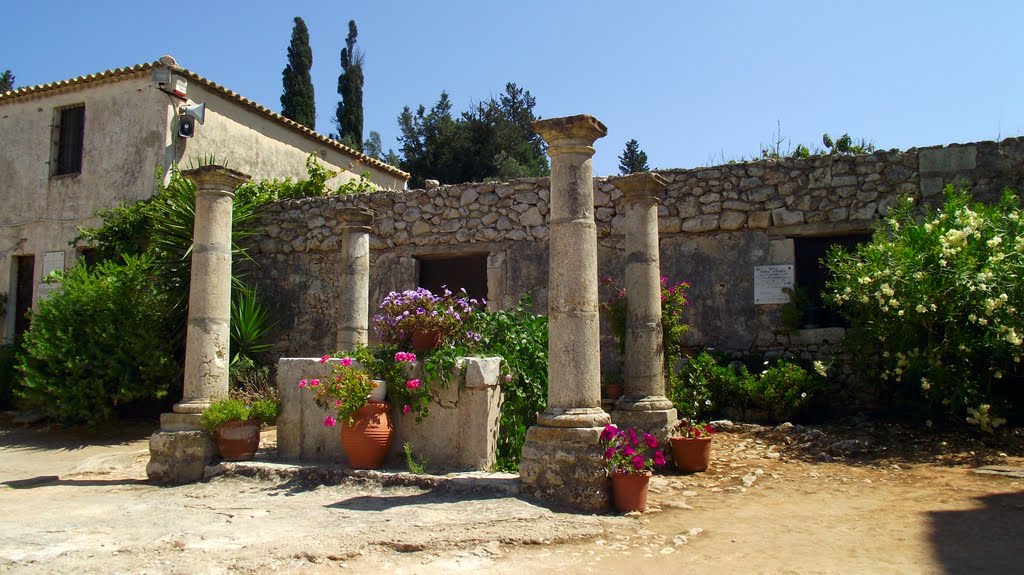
(6, 81)
(297, 100)
(374, 146)
(492, 140)
(349, 116)
(633, 159)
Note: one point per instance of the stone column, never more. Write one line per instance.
(354, 303)
(643, 405)
(561, 459)
(180, 451)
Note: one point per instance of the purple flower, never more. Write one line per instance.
(632, 437)
(628, 451)
(638, 462)
(609, 453)
(659, 458)
(609, 432)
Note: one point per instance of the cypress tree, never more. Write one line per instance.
(633, 159)
(349, 116)
(297, 100)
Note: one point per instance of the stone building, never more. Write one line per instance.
(70, 148)
(732, 231)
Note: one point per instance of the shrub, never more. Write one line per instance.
(673, 304)
(936, 299)
(97, 343)
(225, 410)
(8, 375)
(706, 386)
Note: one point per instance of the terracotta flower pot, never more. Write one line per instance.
(613, 390)
(629, 491)
(238, 440)
(366, 443)
(691, 453)
(424, 341)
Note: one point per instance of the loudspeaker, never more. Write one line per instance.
(188, 117)
(186, 127)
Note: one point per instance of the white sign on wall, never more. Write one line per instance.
(52, 261)
(769, 282)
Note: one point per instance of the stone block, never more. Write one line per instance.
(759, 220)
(947, 160)
(562, 466)
(179, 456)
(846, 180)
(707, 223)
(932, 185)
(732, 220)
(784, 217)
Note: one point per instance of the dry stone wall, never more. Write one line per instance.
(716, 224)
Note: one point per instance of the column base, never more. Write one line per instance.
(658, 423)
(644, 403)
(573, 417)
(563, 466)
(195, 406)
(180, 451)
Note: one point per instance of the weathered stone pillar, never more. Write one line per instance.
(644, 405)
(561, 459)
(354, 303)
(180, 451)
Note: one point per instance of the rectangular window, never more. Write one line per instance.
(70, 134)
(460, 272)
(812, 274)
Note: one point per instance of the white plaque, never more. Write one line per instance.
(769, 282)
(52, 261)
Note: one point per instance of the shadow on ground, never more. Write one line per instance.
(43, 438)
(984, 540)
(54, 480)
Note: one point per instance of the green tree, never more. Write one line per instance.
(373, 146)
(494, 139)
(297, 100)
(633, 159)
(349, 116)
(6, 81)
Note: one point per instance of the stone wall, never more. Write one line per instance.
(716, 224)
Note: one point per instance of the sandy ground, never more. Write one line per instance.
(784, 502)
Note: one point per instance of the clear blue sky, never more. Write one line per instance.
(693, 82)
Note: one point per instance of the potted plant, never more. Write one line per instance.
(691, 445)
(236, 425)
(629, 458)
(357, 398)
(421, 319)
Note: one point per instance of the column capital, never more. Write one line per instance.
(639, 186)
(355, 217)
(571, 133)
(215, 178)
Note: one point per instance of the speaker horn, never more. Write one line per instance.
(197, 111)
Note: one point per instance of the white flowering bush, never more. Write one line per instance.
(939, 298)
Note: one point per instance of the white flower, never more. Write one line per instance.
(921, 309)
(925, 384)
(804, 394)
(821, 368)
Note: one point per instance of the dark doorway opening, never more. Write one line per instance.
(460, 272)
(24, 268)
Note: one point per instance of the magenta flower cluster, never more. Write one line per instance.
(626, 451)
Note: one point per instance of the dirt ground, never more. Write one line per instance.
(856, 498)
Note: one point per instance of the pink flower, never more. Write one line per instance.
(302, 383)
(325, 358)
(337, 403)
(314, 382)
(413, 384)
(609, 432)
(346, 361)
(650, 440)
(659, 458)
(406, 409)
(632, 437)
(508, 378)
(330, 421)
(638, 462)
(628, 451)
(402, 356)
(609, 453)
